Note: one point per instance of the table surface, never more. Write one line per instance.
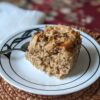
(83, 13)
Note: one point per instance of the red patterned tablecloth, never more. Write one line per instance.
(77, 12)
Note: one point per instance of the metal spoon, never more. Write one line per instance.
(23, 48)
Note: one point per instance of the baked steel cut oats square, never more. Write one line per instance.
(54, 50)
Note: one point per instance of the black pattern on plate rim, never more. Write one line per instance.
(59, 89)
(26, 35)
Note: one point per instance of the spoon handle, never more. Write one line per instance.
(23, 48)
(7, 51)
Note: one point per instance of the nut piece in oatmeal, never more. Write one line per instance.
(54, 50)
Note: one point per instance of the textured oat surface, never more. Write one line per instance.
(8, 92)
(54, 50)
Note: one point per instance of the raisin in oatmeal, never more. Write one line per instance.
(54, 50)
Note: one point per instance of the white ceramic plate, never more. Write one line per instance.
(19, 72)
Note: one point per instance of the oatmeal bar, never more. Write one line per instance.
(54, 50)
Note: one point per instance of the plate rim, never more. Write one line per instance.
(36, 26)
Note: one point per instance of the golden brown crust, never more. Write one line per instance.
(55, 49)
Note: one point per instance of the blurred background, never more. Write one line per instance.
(70, 12)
